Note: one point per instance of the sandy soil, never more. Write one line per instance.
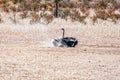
(26, 52)
(31, 62)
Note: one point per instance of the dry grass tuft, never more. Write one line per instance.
(35, 18)
(49, 18)
(24, 15)
(1, 21)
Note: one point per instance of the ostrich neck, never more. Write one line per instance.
(63, 34)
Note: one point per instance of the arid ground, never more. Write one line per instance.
(26, 52)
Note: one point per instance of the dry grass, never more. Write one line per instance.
(49, 18)
(35, 18)
(65, 8)
(1, 21)
(24, 15)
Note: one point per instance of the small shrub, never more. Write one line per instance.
(48, 17)
(101, 13)
(1, 21)
(102, 4)
(24, 14)
(94, 19)
(35, 18)
(76, 16)
(13, 18)
(117, 16)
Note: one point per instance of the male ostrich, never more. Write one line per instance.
(65, 41)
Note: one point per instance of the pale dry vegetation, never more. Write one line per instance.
(77, 10)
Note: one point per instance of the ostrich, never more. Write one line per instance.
(65, 41)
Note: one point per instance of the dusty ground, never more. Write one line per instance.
(27, 54)
(31, 62)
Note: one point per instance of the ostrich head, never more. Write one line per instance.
(63, 32)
